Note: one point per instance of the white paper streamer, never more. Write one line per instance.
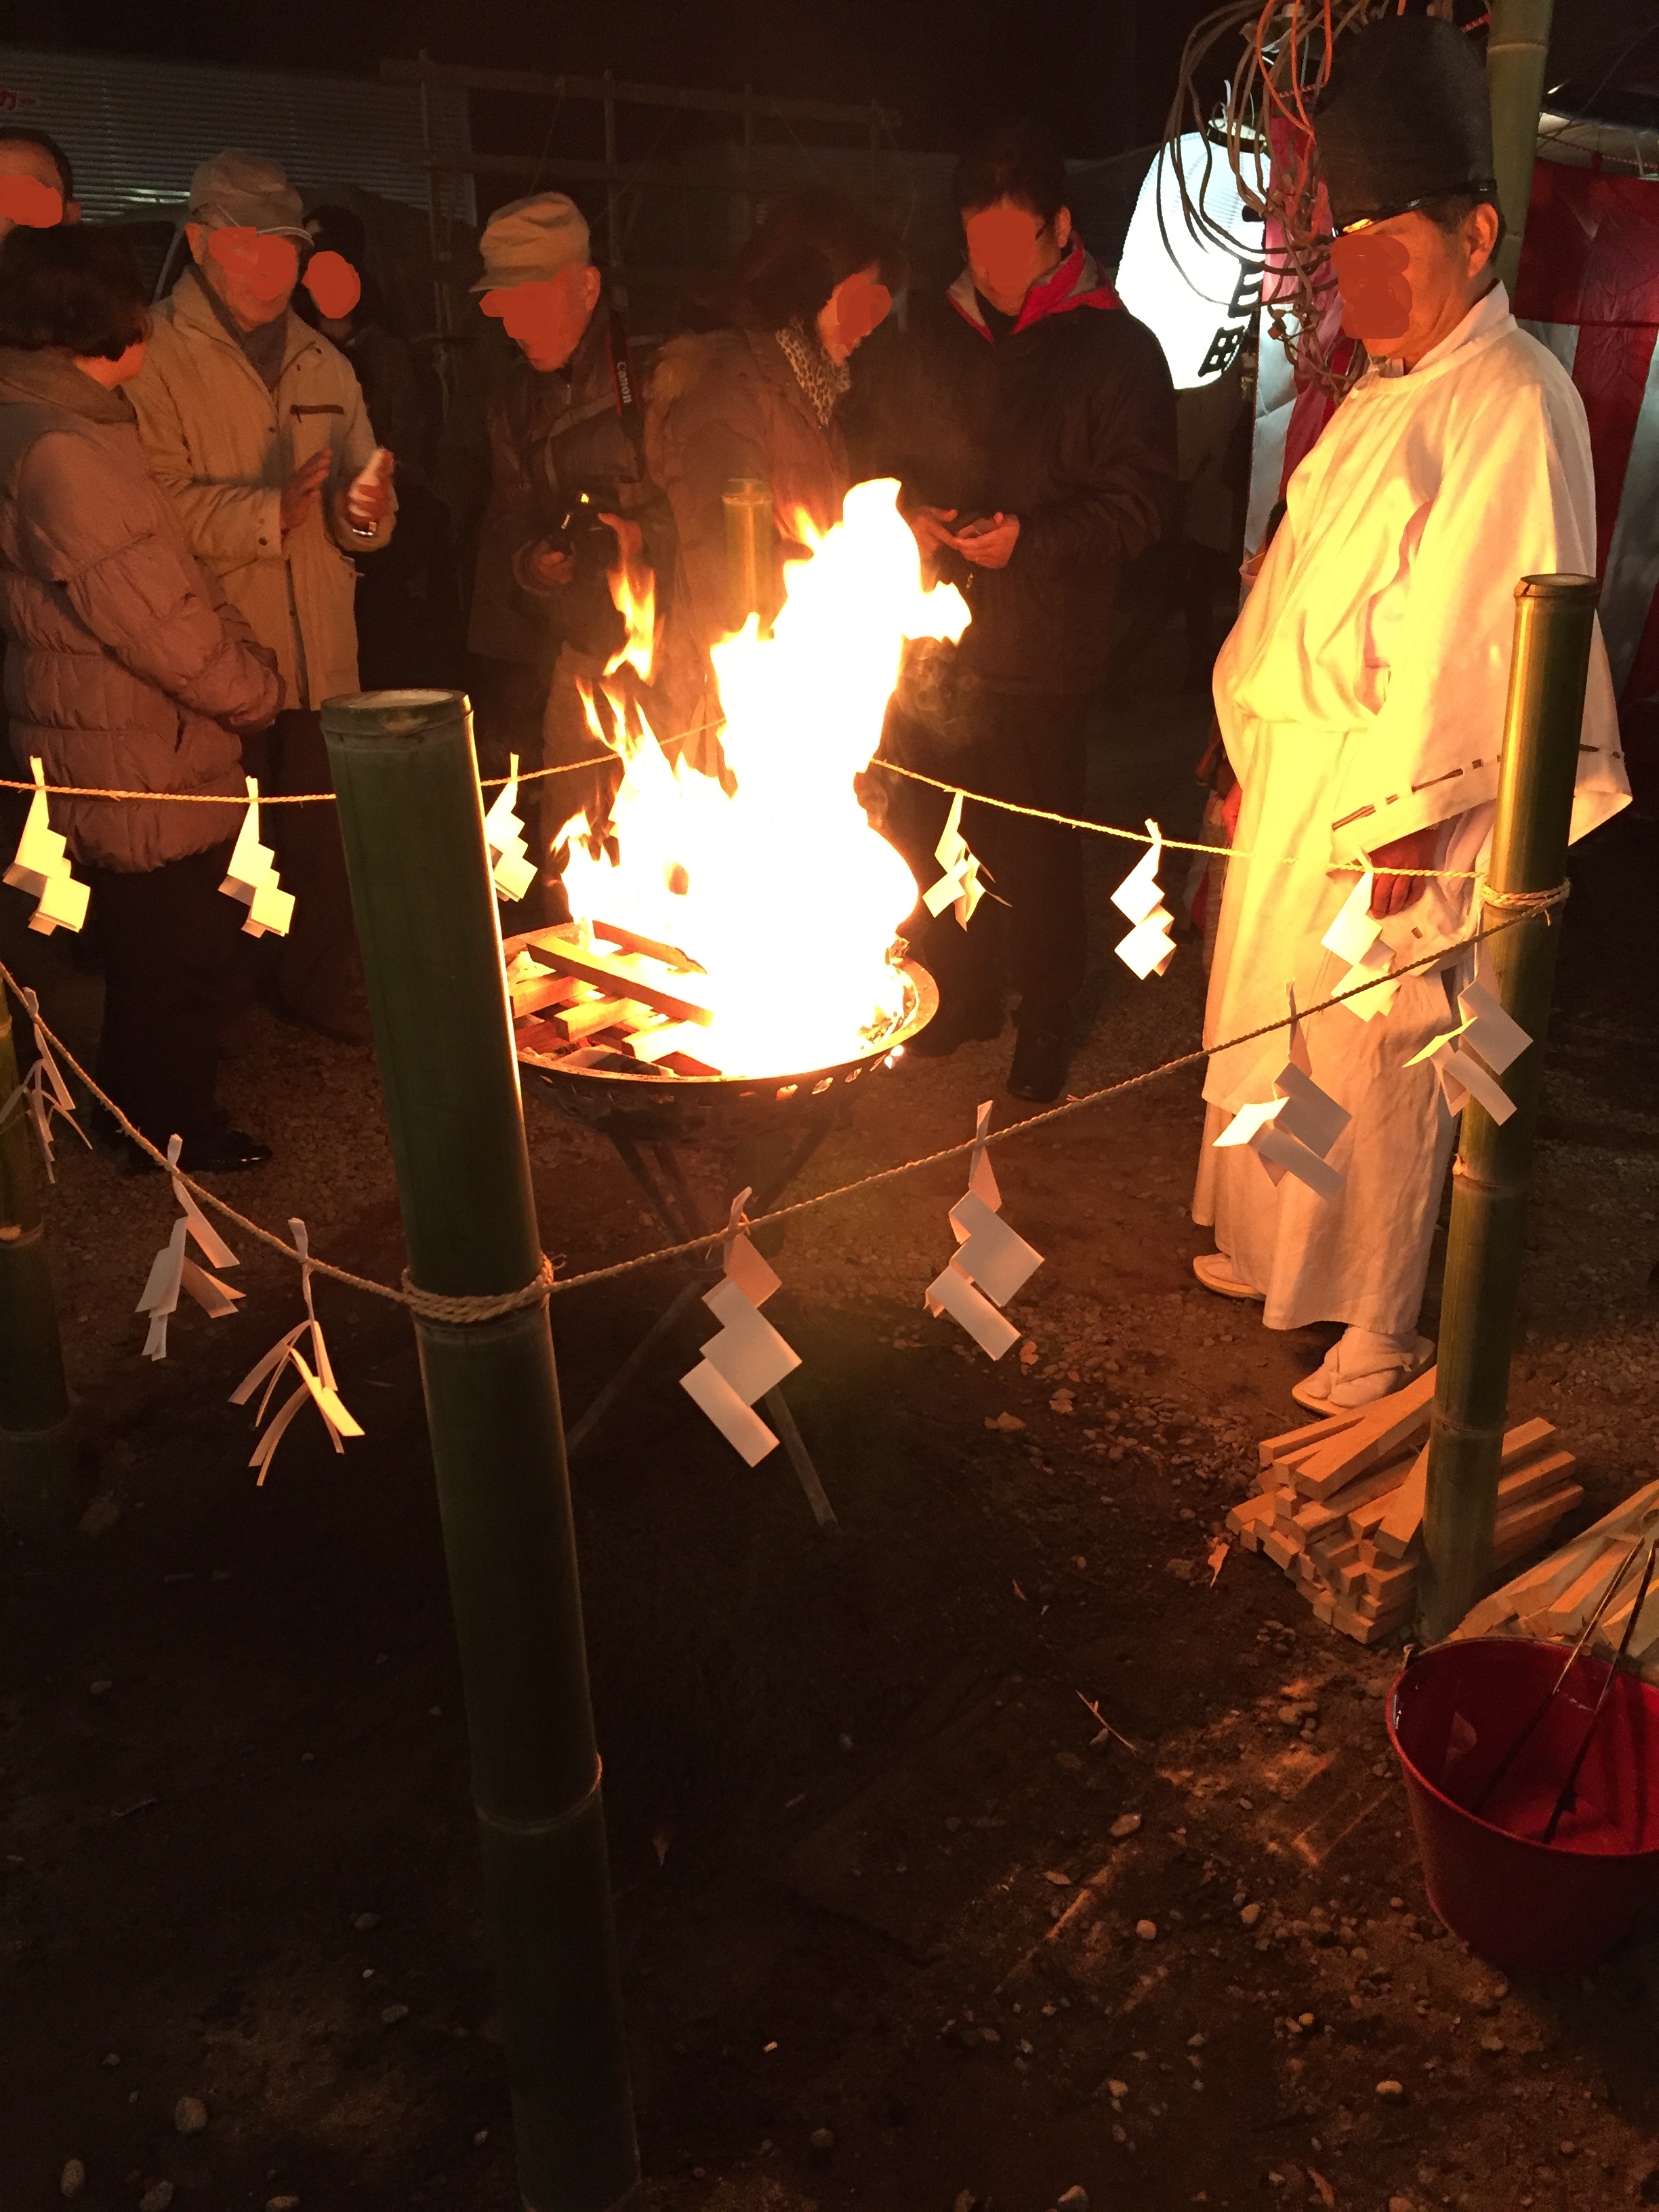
(1356, 937)
(509, 853)
(251, 877)
(1485, 1029)
(316, 1376)
(44, 1093)
(1291, 1132)
(748, 1358)
(960, 885)
(172, 1271)
(1149, 948)
(992, 1262)
(42, 868)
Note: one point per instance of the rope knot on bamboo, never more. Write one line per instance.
(1527, 902)
(434, 1305)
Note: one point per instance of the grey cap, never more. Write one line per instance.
(244, 192)
(530, 240)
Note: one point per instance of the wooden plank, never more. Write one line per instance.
(1398, 1529)
(581, 1019)
(629, 974)
(630, 941)
(1312, 1432)
(1385, 1584)
(534, 993)
(1319, 1514)
(1394, 1421)
(1396, 1532)
(1249, 1511)
(663, 1042)
(1280, 1552)
(1370, 1631)
(1533, 1475)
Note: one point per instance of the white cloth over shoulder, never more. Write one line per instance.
(1361, 697)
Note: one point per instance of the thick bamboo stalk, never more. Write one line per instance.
(1517, 49)
(37, 1431)
(1555, 622)
(413, 825)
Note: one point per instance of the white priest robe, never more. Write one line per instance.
(1361, 696)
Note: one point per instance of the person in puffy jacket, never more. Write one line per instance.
(126, 668)
(752, 393)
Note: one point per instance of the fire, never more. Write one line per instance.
(780, 891)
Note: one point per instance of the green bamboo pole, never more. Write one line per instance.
(750, 549)
(37, 1430)
(413, 824)
(1517, 49)
(1555, 622)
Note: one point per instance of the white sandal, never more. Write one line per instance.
(1215, 1271)
(1361, 1368)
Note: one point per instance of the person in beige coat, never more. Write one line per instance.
(126, 669)
(254, 425)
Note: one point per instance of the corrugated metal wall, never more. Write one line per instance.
(136, 129)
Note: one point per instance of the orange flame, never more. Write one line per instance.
(780, 891)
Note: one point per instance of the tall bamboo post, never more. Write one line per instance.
(1555, 622)
(413, 826)
(37, 1430)
(1517, 49)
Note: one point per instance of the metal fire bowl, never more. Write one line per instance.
(656, 1108)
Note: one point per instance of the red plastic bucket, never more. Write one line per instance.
(1453, 1716)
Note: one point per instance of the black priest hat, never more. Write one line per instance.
(1404, 119)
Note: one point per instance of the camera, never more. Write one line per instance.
(580, 531)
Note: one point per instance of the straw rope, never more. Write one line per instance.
(611, 759)
(434, 1305)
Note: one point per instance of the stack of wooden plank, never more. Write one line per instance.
(1556, 1598)
(584, 994)
(1339, 1506)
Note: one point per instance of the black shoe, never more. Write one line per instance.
(228, 1152)
(955, 1025)
(1041, 1059)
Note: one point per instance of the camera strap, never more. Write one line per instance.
(625, 384)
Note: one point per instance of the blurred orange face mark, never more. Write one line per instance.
(1372, 276)
(333, 283)
(858, 305)
(26, 201)
(266, 266)
(1002, 248)
(544, 317)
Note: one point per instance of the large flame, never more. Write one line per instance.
(782, 892)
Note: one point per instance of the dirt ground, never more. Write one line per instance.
(897, 1932)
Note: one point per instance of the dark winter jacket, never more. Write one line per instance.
(1067, 422)
(726, 404)
(552, 433)
(127, 665)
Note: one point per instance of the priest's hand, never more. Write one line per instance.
(1392, 894)
(932, 526)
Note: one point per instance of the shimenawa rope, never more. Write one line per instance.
(436, 1306)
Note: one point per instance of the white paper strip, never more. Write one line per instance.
(743, 1428)
(1149, 948)
(748, 1358)
(41, 867)
(992, 1255)
(952, 1293)
(1496, 1036)
(748, 1352)
(960, 884)
(316, 1376)
(251, 877)
(511, 866)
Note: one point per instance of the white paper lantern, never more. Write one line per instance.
(1195, 296)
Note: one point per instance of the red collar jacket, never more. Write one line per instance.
(1067, 422)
